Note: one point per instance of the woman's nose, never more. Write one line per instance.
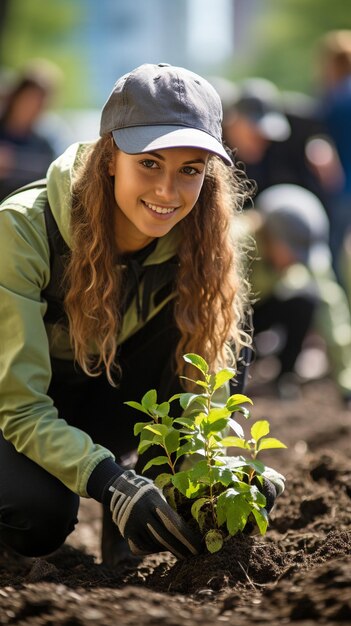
(166, 187)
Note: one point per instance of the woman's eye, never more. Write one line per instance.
(149, 163)
(191, 171)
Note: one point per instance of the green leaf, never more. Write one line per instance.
(149, 400)
(242, 488)
(221, 510)
(158, 460)
(167, 421)
(201, 383)
(216, 413)
(202, 521)
(257, 497)
(172, 440)
(233, 509)
(221, 474)
(270, 443)
(188, 422)
(234, 442)
(186, 399)
(222, 377)
(195, 491)
(162, 409)
(138, 406)
(237, 514)
(236, 400)
(200, 418)
(187, 482)
(255, 465)
(235, 462)
(144, 433)
(261, 518)
(196, 507)
(157, 429)
(196, 438)
(212, 442)
(176, 396)
(200, 472)
(197, 361)
(244, 411)
(214, 540)
(139, 426)
(192, 446)
(171, 496)
(185, 485)
(162, 480)
(145, 445)
(181, 481)
(259, 429)
(215, 427)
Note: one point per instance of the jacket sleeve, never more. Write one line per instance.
(28, 418)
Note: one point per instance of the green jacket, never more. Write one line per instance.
(27, 416)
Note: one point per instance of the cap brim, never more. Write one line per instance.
(138, 139)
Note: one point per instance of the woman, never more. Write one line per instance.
(149, 272)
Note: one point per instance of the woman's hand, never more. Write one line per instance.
(146, 521)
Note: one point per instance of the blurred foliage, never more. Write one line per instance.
(284, 37)
(45, 29)
(280, 42)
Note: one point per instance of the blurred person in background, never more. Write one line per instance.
(25, 151)
(296, 289)
(272, 131)
(334, 67)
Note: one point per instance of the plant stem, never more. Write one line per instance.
(251, 475)
(252, 471)
(170, 463)
(208, 457)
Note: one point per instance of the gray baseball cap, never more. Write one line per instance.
(260, 101)
(162, 106)
(297, 217)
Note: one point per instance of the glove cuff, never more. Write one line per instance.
(101, 478)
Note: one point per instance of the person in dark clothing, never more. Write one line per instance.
(25, 153)
(271, 132)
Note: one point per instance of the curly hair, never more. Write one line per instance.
(212, 294)
(212, 291)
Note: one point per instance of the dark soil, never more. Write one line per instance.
(300, 572)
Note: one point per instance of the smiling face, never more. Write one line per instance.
(154, 191)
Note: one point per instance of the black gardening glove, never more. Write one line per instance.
(146, 521)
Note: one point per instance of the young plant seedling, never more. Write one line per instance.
(219, 493)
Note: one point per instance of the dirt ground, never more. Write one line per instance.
(300, 572)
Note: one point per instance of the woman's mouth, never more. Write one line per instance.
(160, 210)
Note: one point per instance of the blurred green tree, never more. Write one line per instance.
(284, 37)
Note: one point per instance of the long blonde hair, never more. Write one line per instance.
(212, 294)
